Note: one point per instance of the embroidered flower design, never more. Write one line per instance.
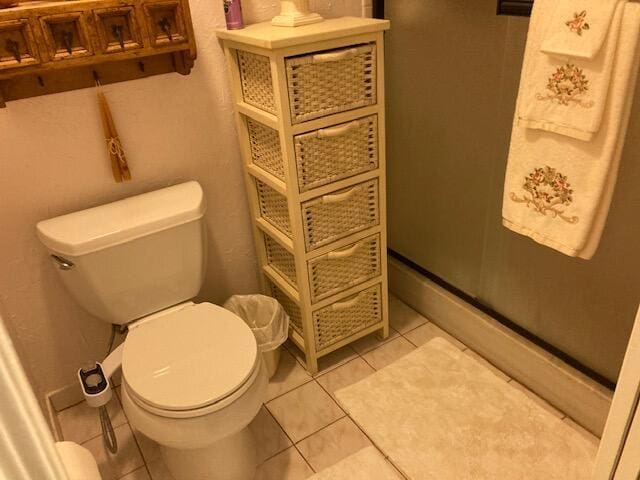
(547, 189)
(567, 85)
(578, 24)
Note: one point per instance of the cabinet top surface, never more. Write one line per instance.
(271, 37)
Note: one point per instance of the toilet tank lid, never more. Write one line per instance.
(94, 229)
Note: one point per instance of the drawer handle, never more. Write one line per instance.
(346, 304)
(337, 131)
(344, 253)
(339, 197)
(334, 56)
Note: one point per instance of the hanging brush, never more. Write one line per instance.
(119, 165)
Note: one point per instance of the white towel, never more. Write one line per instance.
(558, 189)
(567, 95)
(579, 27)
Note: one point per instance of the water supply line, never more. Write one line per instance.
(108, 434)
(96, 387)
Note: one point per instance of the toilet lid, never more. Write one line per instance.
(189, 358)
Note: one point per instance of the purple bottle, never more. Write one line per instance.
(233, 14)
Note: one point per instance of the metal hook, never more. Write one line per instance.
(117, 31)
(67, 40)
(96, 78)
(165, 26)
(13, 48)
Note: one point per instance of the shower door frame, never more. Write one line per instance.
(618, 452)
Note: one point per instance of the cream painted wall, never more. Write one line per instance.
(53, 161)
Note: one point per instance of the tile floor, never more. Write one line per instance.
(301, 429)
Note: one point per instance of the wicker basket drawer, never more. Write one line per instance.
(273, 207)
(264, 144)
(256, 81)
(339, 214)
(329, 82)
(330, 154)
(291, 307)
(346, 317)
(344, 268)
(280, 260)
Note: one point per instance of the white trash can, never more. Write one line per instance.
(268, 321)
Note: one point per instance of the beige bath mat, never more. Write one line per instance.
(439, 414)
(366, 464)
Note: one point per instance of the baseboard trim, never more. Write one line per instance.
(52, 417)
(582, 398)
(65, 397)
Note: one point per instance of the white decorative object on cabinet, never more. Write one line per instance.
(310, 114)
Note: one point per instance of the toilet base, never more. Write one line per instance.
(230, 458)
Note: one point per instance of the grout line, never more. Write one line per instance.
(311, 379)
(323, 428)
(333, 370)
(380, 342)
(327, 370)
(386, 457)
(304, 458)
(131, 471)
(67, 408)
(403, 336)
(135, 439)
(414, 328)
(146, 467)
(115, 427)
(344, 414)
(365, 360)
(293, 444)
(331, 396)
(134, 471)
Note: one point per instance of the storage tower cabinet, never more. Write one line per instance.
(310, 116)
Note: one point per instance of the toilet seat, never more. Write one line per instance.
(190, 361)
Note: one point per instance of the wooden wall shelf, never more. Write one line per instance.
(50, 47)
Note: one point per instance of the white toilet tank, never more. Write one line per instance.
(130, 258)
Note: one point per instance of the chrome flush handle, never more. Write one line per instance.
(63, 263)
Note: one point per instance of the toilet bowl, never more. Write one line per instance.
(193, 379)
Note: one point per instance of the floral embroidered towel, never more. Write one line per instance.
(558, 189)
(562, 94)
(578, 28)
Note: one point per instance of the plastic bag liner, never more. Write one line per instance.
(265, 316)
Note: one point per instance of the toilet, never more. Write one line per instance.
(192, 378)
